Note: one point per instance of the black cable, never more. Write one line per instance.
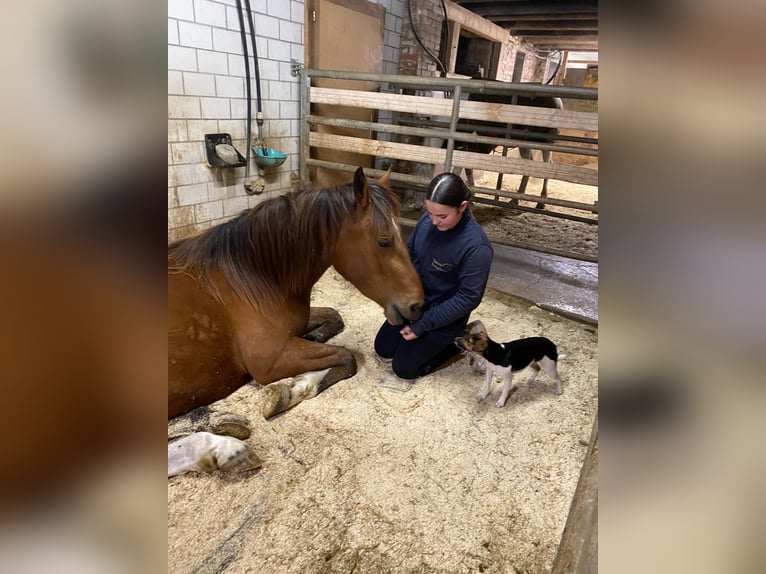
(556, 71)
(420, 42)
(243, 36)
(258, 117)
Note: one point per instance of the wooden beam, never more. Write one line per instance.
(476, 24)
(529, 116)
(454, 40)
(547, 17)
(536, 7)
(560, 39)
(436, 156)
(559, 25)
(578, 550)
(502, 113)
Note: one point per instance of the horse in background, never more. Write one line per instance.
(239, 301)
(530, 133)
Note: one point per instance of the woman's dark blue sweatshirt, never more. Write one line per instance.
(454, 268)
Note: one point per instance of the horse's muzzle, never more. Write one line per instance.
(398, 314)
(414, 311)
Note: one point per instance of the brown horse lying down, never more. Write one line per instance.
(239, 300)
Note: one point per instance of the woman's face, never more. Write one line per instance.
(444, 217)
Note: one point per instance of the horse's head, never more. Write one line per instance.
(372, 255)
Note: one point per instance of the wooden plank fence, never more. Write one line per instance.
(417, 128)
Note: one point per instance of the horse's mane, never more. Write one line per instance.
(273, 251)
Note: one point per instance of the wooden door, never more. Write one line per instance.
(344, 35)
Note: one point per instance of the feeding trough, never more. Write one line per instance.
(221, 152)
(266, 156)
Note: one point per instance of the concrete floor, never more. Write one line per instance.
(565, 286)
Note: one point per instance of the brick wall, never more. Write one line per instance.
(427, 16)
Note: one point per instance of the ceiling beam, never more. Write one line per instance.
(534, 7)
(591, 25)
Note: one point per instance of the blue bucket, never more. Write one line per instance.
(268, 156)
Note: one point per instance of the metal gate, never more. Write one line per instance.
(431, 112)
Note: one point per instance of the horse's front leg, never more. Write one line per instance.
(314, 366)
(324, 323)
(469, 176)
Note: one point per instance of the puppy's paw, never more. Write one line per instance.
(481, 396)
(478, 364)
(500, 403)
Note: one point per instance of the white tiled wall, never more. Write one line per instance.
(206, 94)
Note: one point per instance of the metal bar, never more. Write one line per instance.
(449, 84)
(511, 131)
(423, 182)
(445, 134)
(536, 198)
(558, 214)
(452, 128)
(305, 128)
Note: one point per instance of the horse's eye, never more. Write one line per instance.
(384, 242)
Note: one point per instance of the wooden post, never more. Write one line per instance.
(578, 550)
(518, 66)
(453, 40)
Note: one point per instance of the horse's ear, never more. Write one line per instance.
(361, 190)
(385, 179)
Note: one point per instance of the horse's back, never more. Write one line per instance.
(203, 365)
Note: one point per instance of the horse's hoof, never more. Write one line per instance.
(229, 424)
(206, 452)
(235, 455)
(276, 399)
(206, 419)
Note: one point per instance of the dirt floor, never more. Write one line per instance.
(381, 475)
(513, 227)
(505, 225)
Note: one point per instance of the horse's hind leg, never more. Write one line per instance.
(469, 176)
(324, 323)
(525, 153)
(206, 452)
(194, 444)
(208, 419)
(544, 192)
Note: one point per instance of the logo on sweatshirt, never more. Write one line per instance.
(441, 267)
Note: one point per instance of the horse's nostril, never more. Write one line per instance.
(416, 309)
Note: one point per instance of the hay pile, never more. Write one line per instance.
(379, 475)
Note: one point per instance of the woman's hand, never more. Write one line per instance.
(407, 333)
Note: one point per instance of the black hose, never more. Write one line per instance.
(420, 42)
(558, 66)
(243, 36)
(258, 117)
